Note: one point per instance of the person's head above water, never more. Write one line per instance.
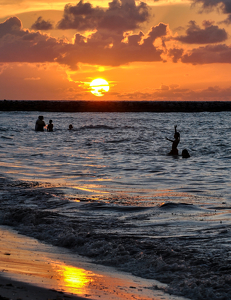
(40, 118)
(185, 153)
(50, 121)
(70, 127)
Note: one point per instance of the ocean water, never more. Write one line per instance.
(108, 190)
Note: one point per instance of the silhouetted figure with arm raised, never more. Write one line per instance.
(175, 142)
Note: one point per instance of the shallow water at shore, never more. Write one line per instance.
(107, 190)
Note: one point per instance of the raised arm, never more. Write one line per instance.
(169, 139)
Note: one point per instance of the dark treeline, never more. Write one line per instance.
(114, 106)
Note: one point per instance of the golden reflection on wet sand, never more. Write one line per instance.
(25, 259)
(76, 280)
(86, 283)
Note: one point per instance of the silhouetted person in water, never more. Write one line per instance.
(50, 126)
(175, 142)
(185, 153)
(40, 124)
(70, 127)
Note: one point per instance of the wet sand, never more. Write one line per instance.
(36, 271)
(15, 290)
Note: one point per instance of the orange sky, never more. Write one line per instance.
(150, 50)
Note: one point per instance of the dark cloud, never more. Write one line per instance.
(176, 54)
(10, 26)
(41, 24)
(18, 45)
(227, 21)
(156, 32)
(82, 16)
(207, 35)
(224, 5)
(208, 54)
(203, 55)
(102, 48)
(120, 16)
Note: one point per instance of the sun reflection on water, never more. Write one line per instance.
(89, 189)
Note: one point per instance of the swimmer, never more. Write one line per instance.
(175, 142)
(40, 124)
(50, 126)
(70, 127)
(185, 153)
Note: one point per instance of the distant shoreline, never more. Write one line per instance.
(114, 106)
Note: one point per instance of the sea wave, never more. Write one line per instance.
(118, 236)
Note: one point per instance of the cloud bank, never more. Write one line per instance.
(102, 48)
(113, 41)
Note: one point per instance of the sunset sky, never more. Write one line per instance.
(145, 50)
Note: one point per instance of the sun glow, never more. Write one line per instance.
(99, 87)
(75, 278)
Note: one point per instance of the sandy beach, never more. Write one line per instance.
(36, 271)
(23, 270)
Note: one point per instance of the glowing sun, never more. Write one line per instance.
(99, 87)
